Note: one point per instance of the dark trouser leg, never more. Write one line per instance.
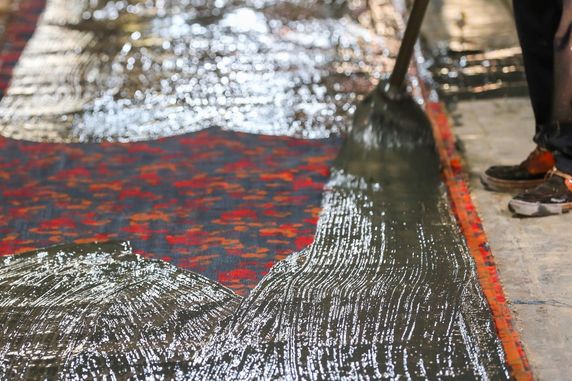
(536, 23)
(562, 103)
(559, 138)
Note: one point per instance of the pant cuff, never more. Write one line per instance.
(563, 163)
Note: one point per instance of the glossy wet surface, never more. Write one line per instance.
(98, 310)
(387, 289)
(140, 70)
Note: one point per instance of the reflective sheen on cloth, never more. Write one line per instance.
(386, 291)
(97, 310)
(139, 70)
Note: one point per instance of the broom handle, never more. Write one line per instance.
(406, 49)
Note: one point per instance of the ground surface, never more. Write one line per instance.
(533, 255)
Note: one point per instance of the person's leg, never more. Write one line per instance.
(536, 22)
(554, 196)
(559, 137)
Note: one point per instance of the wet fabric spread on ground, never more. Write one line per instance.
(385, 290)
(134, 71)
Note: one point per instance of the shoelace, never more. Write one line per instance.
(567, 178)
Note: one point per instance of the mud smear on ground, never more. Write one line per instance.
(474, 49)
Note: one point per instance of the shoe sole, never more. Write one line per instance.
(538, 209)
(498, 185)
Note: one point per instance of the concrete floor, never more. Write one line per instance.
(534, 255)
(463, 25)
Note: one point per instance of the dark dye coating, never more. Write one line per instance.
(99, 311)
(384, 292)
(387, 290)
(140, 70)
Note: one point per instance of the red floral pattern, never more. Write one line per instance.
(225, 204)
(15, 34)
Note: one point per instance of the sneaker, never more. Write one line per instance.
(554, 196)
(528, 174)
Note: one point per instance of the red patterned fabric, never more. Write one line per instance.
(225, 204)
(21, 25)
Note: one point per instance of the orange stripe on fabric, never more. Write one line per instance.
(477, 241)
